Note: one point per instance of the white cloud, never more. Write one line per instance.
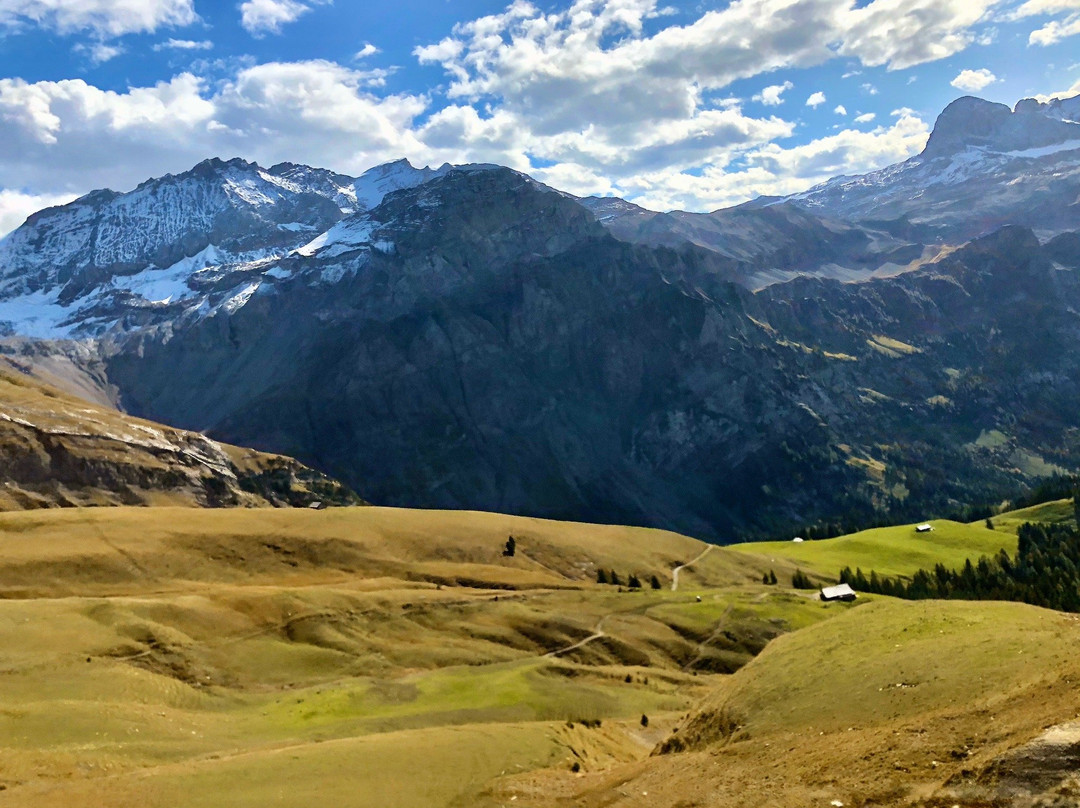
(973, 80)
(99, 52)
(607, 95)
(71, 136)
(866, 117)
(1069, 93)
(1055, 31)
(904, 33)
(773, 170)
(816, 99)
(366, 51)
(261, 17)
(16, 206)
(104, 18)
(1038, 7)
(184, 44)
(771, 95)
(869, 88)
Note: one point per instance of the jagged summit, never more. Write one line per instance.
(983, 166)
(176, 243)
(972, 123)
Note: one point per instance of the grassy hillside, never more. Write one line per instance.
(898, 550)
(376, 656)
(892, 703)
(372, 656)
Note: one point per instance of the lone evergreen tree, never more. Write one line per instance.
(989, 523)
(772, 577)
(634, 582)
(601, 576)
(655, 582)
(511, 547)
(644, 720)
(615, 579)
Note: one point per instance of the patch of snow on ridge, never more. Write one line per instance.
(169, 284)
(38, 314)
(240, 299)
(1043, 151)
(349, 234)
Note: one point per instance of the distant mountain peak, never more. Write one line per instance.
(970, 122)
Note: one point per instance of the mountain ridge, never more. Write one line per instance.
(479, 340)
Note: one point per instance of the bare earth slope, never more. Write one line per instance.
(59, 450)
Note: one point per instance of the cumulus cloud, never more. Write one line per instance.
(816, 99)
(771, 95)
(16, 206)
(774, 170)
(1069, 93)
(1037, 7)
(104, 18)
(602, 96)
(184, 44)
(366, 51)
(70, 135)
(866, 117)
(905, 33)
(840, 109)
(261, 17)
(99, 52)
(973, 80)
(1055, 31)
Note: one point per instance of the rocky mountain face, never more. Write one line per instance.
(59, 450)
(177, 246)
(468, 338)
(984, 166)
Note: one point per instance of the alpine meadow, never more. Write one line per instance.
(579, 404)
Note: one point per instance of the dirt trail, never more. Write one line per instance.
(598, 632)
(675, 571)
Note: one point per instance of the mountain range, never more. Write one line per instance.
(897, 343)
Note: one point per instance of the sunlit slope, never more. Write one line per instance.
(110, 550)
(899, 550)
(60, 450)
(893, 703)
(367, 656)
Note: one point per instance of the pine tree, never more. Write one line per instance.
(615, 579)
(655, 582)
(772, 578)
(511, 547)
(601, 576)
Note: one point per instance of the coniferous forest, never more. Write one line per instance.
(1044, 572)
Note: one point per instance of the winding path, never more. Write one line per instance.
(675, 571)
(598, 632)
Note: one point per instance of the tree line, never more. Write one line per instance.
(1045, 571)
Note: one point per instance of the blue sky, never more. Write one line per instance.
(692, 105)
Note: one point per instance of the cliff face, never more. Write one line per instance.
(59, 450)
(481, 342)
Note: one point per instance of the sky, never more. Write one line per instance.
(691, 105)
